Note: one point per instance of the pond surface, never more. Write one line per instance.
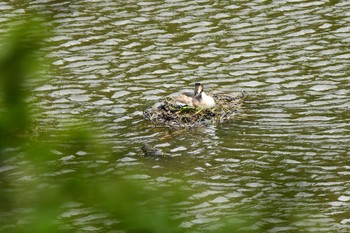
(287, 158)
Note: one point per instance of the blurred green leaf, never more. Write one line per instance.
(18, 62)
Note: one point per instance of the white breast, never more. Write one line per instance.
(207, 101)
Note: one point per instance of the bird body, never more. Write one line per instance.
(196, 99)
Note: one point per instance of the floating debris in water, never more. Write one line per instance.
(170, 114)
(150, 151)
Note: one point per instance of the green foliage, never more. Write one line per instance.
(35, 183)
(187, 109)
(17, 65)
(34, 191)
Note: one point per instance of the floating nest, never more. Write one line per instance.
(170, 114)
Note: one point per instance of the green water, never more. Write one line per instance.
(282, 167)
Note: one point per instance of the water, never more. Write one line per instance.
(287, 157)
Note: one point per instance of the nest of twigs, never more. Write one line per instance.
(172, 115)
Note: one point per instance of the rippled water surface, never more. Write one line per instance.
(287, 157)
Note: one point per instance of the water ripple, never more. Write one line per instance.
(288, 150)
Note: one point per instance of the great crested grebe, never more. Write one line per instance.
(196, 99)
